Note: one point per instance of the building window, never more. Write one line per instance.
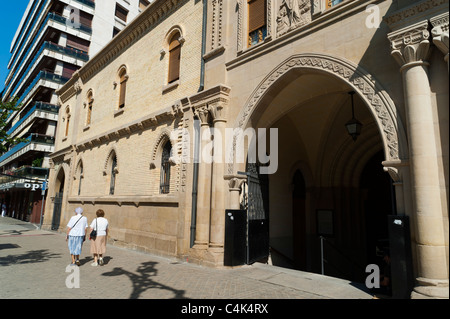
(90, 102)
(80, 177)
(164, 185)
(112, 184)
(331, 3)
(123, 78)
(257, 24)
(66, 132)
(143, 4)
(174, 57)
(115, 31)
(121, 12)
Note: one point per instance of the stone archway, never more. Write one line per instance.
(365, 85)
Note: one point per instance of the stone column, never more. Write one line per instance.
(411, 47)
(204, 184)
(219, 189)
(440, 34)
(234, 183)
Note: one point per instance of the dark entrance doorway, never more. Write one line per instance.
(57, 204)
(299, 221)
(379, 202)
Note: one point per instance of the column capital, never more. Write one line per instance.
(440, 33)
(411, 45)
(216, 110)
(202, 113)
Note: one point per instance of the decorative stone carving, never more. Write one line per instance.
(440, 34)
(411, 44)
(293, 14)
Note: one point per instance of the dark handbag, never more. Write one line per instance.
(93, 234)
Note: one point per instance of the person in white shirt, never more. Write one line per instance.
(98, 242)
(76, 232)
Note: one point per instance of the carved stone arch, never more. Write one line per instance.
(370, 91)
(112, 152)
(174, 29)
(77, 168)
(64, 169)
(164, 136)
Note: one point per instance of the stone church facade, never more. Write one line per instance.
(150, 132)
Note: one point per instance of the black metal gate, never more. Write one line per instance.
(257, 214)
(56, 220)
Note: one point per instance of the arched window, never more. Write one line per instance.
(112, 184)
(90, 102)
(123, 78)
(164, 185)
(66, 132)
(80, 177)
(257, 21)
(174, 57)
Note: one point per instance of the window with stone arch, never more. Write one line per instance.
(67, 119)
(79, 176)
(164, 183)
(123, 79)
(175, 42)
(111, 170)
(89, 105)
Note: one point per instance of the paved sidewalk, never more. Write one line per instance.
(34, 265)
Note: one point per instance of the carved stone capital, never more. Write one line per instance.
(202, 113)
(216, 110)
(411, 45)
(440, 33)
(235, 181)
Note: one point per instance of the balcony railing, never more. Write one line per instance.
(39, 106)
(24, 172)
(74, 53)
(43, 75)
(32, 139)
(53, 17)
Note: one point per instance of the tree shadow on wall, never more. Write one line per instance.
(33, 256)
(143, 280)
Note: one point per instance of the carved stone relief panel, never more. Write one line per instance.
(293, 14)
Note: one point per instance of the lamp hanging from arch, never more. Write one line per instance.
(353, 125)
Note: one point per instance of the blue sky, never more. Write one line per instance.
(12, 12)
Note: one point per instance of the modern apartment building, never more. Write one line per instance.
(53, 40)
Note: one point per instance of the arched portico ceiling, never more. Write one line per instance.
(371, 92)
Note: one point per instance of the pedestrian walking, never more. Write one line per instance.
(99, 233)
(3, 210)
(76, 235)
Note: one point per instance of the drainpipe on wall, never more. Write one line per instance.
(197, 133)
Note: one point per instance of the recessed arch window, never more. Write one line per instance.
(123, 78)
(164, 185)
(90, 102)
(66, 131)
(112, 184)
(174, 57)
(80, 177)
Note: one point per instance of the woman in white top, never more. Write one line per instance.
(76, 232)
(98, 243)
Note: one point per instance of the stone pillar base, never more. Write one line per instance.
(210, 257)
(430, 289)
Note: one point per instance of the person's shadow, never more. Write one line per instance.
(143, 281)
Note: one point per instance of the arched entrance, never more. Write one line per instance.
(58, 199)
(306, 98)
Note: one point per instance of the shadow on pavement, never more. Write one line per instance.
(33, 256)
(143, 281)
